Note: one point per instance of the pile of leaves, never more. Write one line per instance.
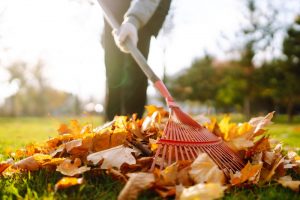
(124, 149)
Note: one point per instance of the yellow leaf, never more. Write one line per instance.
(151, 109)
(229, 130)
(66, 182)
(202, 191)
(137, 182)
(211, 124)
(75, 126)
(204, 170)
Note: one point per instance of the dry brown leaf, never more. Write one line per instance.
(67, 182)
(63, 129)
(268, 157)
(202, 191)
(248, 173)
(286, 181)
(240, 143)
(53, 162)
(33, 162)
(5, 164)
(113, 157)
(260, 122)
(101, 141)
(137, 182)
(204, 170)
(116, 174)
(279, 160)
(69, 168)
(81, 147)
(72, 144)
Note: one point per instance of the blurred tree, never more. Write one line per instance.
(18, 77)
(231, 86)
(34, 96)
(256, 35)
(196, 83)
(291, 49)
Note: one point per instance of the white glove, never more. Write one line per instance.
(126, 30)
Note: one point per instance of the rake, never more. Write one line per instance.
(183, 137)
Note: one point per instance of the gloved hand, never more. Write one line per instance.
(126, 30)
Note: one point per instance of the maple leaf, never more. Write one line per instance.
(204, 170)
(67, 182)
(69, 168)
(248, 173)
(113, 157)
(202, 191)
(286, 181)
(137, 182)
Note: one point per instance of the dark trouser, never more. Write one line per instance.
(125, 82)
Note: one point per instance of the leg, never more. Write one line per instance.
(135, 94)
(114, 62)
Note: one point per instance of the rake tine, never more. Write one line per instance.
(163, 156)
(170, 154)
(155, 157)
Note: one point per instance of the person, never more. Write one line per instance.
(125, 82)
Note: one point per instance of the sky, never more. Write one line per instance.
(65, 36)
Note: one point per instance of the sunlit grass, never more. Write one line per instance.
(17, 132)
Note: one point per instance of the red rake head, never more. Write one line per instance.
(184, 139)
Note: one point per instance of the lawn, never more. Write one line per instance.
(15, 133)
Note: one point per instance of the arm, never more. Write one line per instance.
(140, 11)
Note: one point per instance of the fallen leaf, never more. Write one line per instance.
(72, 144)
(240, 143)
(248, 173)
(69, 168)
(116, 174)
(63, 129)
(279, 160)
(33, 162)
(286, 181)
(260, 122)
(53, 162)
(101, 141)
(113, 157)
(202, 191)
(5, 164)
(137, 182)
(204, 170)
(67, 182)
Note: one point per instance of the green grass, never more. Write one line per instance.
(17, 132)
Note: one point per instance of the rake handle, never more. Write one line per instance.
(138, 56)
